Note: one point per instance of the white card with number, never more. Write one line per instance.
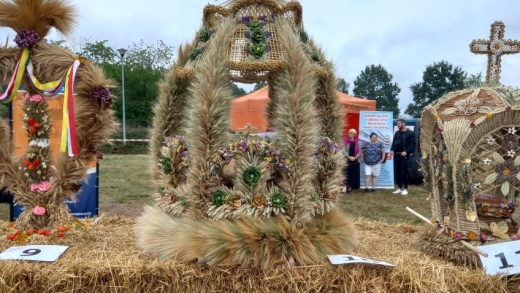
(341, 259)
(503, 258)
(49, 253)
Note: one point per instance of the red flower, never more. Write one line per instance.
(33, 125)
(107, 104)
(31, 165)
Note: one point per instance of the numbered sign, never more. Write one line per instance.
(49, 253)
(504, 258)
(341, 259)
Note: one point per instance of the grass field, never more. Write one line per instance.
(125, 186)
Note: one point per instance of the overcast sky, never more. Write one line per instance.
(404, 36)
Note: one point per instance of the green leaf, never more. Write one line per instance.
(491, 178)
(505, 188)
(497, 157)
(193, 54)
(304, 37)
(315, 57)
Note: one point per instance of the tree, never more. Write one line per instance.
(155, 57)
(342, 85)
(98, 52)
(144, 66)
(375, 83)
(238, 91)
(474, 80)
(259, 85)
(438, 79)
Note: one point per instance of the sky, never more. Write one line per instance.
(403, 36)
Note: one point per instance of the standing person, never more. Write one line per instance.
(373, 155)
(403, 146)
(351, 170)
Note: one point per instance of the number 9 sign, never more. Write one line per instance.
(30, 252)
(48, 253)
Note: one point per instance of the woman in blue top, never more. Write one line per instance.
(372, 155)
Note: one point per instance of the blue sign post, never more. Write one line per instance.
(382, 124)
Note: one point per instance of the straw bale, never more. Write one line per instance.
(103, 258)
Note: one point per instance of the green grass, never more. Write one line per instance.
(385, 206)
(125, 180)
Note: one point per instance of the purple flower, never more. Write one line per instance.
(262, 17)
(483, 237)
(100, 94)
(458, 235)
(168, 141)
(26, 38)
(246, 19)
(244, 145)
(282, 166)
(511, 205)
(267, 48)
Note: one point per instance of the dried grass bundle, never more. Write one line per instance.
(444, 247)
(208, 118)
(114, 264)
(37, 15)
(8, 169)
(296, 124)
(170, 110)
(327, 102)
(247, 241)
(8, 59)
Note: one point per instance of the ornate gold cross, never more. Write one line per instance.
(495, 47)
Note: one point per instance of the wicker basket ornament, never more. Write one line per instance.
(471, 162)
(255, 49)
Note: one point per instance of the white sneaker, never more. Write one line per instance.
(405, 192)
(398, 191)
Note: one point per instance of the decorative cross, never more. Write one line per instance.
(495, 47)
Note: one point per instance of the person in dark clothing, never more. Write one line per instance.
(351, 170)
(403, 145)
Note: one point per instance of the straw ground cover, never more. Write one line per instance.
(104, 258)
(126, 185)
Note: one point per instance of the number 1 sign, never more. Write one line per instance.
(504, 258)
(48, 253)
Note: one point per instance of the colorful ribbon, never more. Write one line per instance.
(49, 89)
(68, 129)
(16, 80)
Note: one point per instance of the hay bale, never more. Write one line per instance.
(104, 258)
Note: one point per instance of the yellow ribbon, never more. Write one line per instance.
(65, 124)
(19, 75)
(38, 84)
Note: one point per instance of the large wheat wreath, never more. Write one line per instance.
(40, 184)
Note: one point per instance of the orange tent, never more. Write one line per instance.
(250, 109)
